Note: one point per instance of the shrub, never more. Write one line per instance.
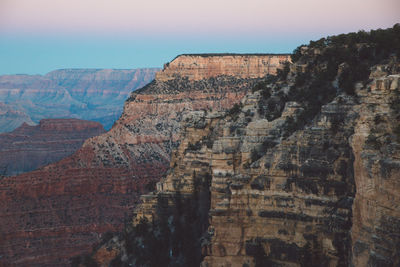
(235, 109)
(259, 86)
(373, 141)
(396, 131)
(296, 55)
(282, 73)
(194, 147)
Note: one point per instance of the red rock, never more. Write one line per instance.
(30, 147)
(61, 210)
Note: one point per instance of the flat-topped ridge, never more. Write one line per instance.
(204, 66)
(231, 54)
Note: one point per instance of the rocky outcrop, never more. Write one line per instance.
(292, 205)
(200, 66)
(70, 204)
(376, 145)
(90, 94)
(30, 147)
(303, 173)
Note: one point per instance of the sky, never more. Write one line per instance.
(37, 36)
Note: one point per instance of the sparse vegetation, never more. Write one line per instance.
(373, 141)
(396, 131)
(194, 147)
(235, 110)
(283, 73)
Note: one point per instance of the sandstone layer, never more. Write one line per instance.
(200, 66)
(61, 210)
(90, 94)
(30, 147)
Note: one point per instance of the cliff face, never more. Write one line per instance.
(71, 203)
(30, 147)
(305, 172)
(90, 94)
(200, 66)
(376, 221)
(291, 206)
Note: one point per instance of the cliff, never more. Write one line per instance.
(70, 204)
(90, 94)
(30, 147)
(200, 66)
(303, 173)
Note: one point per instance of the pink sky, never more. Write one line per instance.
(201, 16)
(37, 36)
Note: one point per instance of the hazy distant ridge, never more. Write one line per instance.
(90, 94)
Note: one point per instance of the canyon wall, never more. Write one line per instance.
(304, 172)
(376, 145)
(200, 66)
(30, 147)
(290, 206)
(67, 206)
(90, 94)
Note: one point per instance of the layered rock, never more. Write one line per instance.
(292, 206)
(11, 118)
(90, 94)
(71, 203)
(305, 172)
(376, 146)
(30, 147)
(200, 66)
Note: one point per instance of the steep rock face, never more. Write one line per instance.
(376, 223)
(71, 203)
(281, 198)
(305, 172)
(30, 147)
(91, 94)
(292, 206)
(200, 66)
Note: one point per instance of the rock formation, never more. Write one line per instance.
(376, 144)
(90, 94)
(305, 172)
(200, 66)
(67, 206)
(30, 147)
(11, 118)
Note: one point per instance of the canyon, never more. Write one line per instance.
(30, 147)
(230, 160)
(61, 210)
(89, 94)
(303, 172)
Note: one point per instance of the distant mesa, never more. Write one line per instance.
(203, 66)
(89, 94)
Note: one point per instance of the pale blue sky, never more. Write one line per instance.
(42, 35)
(39, 55)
